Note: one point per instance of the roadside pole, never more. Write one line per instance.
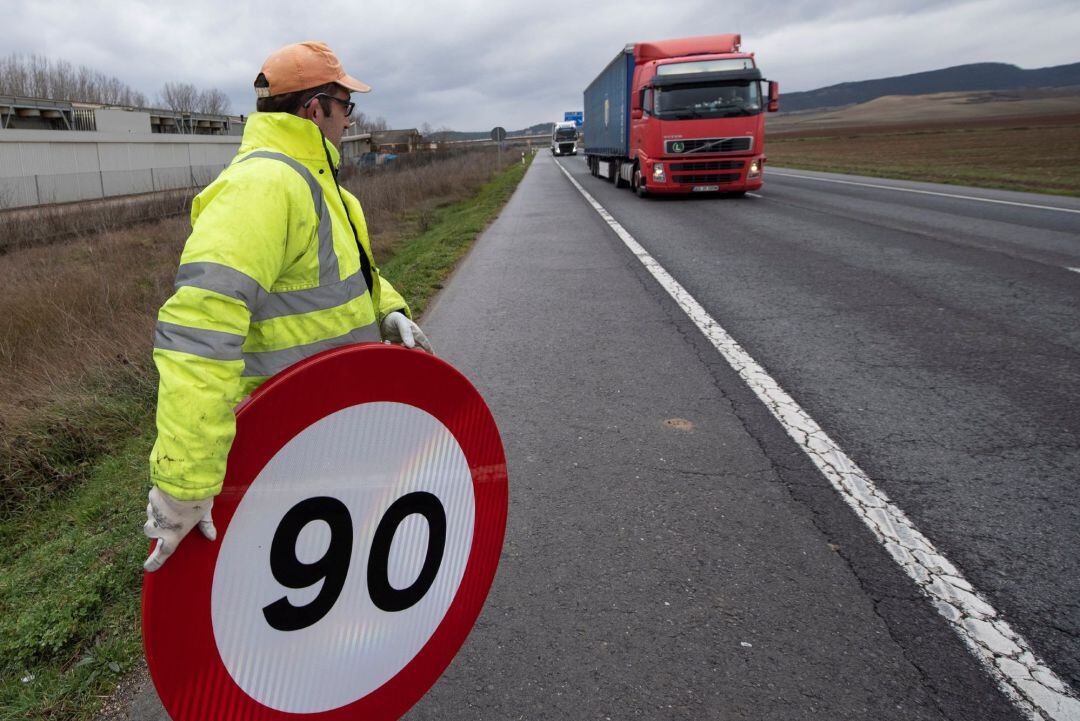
(498, 134)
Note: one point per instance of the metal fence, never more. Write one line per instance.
(39, 167)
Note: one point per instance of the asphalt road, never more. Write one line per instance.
(670, 552)
(886, 332)
(936, 338)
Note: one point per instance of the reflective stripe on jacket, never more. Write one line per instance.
(271, 274)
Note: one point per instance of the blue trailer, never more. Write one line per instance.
(607, 107)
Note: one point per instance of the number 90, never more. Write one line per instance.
(333, 567)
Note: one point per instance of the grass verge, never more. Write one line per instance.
(70, 587)
(69, 598)
(1008, 157)
(418, 267)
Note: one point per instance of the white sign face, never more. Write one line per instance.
(343, 557)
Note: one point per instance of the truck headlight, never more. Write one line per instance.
(658, 173)
(755, 169)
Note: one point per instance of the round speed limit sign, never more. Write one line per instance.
(359, 529)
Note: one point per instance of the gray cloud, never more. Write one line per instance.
(471, 64)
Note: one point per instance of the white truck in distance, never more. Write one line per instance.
(564, 138)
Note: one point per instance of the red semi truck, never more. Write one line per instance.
(680, 116)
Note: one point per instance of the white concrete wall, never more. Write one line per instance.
(111, 120)
(48, 166)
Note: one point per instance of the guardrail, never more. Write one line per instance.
(510, 139)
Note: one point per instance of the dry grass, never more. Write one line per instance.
(41, 225)
(75, 330)
(71, 307)
(76, 321)
(412, 187)
(1031, 154)
(70, 570)
(66, 308)
(965, 108)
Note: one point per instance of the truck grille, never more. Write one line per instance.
(705, 146)
(717, 165)
(709, 178)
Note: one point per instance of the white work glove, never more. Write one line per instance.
(169, 519)
(397, 328)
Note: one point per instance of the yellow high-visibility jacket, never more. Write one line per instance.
(271, 274)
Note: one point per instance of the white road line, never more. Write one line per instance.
(753, 195)
(1036, 690)
(925, 192)
(1075, 270)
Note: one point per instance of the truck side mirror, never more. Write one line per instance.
(635, 114)
(774, 96)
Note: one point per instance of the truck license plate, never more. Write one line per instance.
(706, 188)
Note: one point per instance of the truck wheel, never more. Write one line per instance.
(619, 182)
(638, 186)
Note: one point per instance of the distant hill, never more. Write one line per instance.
(968, 110)
(538, 129)
(980, 76)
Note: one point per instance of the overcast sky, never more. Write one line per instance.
(470, 65)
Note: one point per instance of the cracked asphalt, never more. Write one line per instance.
(671, 553)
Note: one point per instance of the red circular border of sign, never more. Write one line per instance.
(178, 637)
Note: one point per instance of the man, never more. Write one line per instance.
(277, 268)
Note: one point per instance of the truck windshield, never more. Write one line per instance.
(565, 134)
(710, 100)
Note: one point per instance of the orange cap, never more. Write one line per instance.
(301, 66)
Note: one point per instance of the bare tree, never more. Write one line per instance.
(62, 79)
(425, 129)
(214, 102)
(183, 97)
(38, 77)
(13, 76)
(363, 124)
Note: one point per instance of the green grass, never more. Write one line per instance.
(419, 267)
(69, 595)
(44, 459)
(71, 563)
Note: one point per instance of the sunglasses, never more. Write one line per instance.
(349, 105)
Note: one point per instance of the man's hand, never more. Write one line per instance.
(397, 328)
(169, 520)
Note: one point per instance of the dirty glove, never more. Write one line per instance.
(169, 519)
(397, 328)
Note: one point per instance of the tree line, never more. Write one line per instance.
(361, 123)
(35, 76)
(439, 135)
